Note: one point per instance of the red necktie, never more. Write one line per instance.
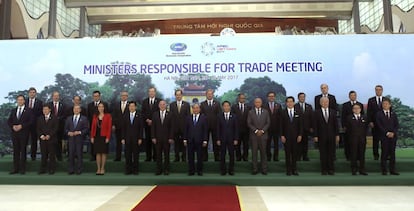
(56, 109)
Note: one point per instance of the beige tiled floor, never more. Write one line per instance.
(104, 198)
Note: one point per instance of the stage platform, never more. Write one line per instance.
(309, 173)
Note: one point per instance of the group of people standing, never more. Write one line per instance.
(233, 129)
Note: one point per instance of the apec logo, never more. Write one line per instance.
(178, 47)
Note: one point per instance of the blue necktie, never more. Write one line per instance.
(131, 118)
(291, 116)
(75, 122)
(19, 114)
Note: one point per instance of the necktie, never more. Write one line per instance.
(227, 117)
(209, 103)
(75, 121)
(388, 114)
(162, 117)
(291, 116)
(31, 103)
(242, 107)
(379, 101)
(195, 120)
(179, 106)
(96, 104)
(359, 117)
(19, 113)
(151, 103)
(326, 115)
(56, 109)
(46, 119)
(131, 118)
(272, 107)
(123, 107)
(258, 112)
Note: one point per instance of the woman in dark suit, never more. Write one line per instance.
(100, 135)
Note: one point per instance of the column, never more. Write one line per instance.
(82, 24)
(356, 17)
(52, 18)
(387, 16)
(5, 19)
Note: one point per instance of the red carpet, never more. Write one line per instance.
(190, 198)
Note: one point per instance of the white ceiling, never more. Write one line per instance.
(105, 11)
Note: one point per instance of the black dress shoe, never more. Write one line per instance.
(117, 160)
(223, 173)
(276, 159)
(254, 172)
(376, 157)
(166, 172)
(268, 159)
(289, 173)
(331, 172)
(354, 173)
(128, 172)
(244, 159)
(384, 172)
(238, 159)
(264, 172)
(22, 172)
(306, 159)
(394, 173)
(135, 172)
(324, 173)
(158, 173)
(363, 173)
(51, 172)
(33, 158)
(42, 172)
(13, 172)
(295, 173)
(176, 160)
(200, 173)
(147, 160)
(78, 173)
(71, 173)
(231, 173)
(184, 160)
(191, 174)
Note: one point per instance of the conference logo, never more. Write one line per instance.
(208, 48)
(178, 50)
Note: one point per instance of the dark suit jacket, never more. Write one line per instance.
(211, 113)
(258, 123)
(373, 108)
(241, 116)
(347, 110)
(47, 128)
(82, 126)
(227, 131)
(37, 109)
(386, 125)
(162, 131)
(325, 131)
(117, 115)
(274, 117)
(133, 131)
(307, 116)
(92, 110)
(61, 111)
(332, 102)
(197, 132)
(355, 127)
(291, 130)
(25, 120)
(147, 110)
(180, 118)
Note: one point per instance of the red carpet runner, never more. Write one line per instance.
(190, 198)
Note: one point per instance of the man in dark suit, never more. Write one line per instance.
(58, 110)
(241, 109)
(19, 121)
(132, 133)
(162, 132)
(76, 128)
(195, 138)
(375, 105)
(35, 105)
(346, 111)
(258, 122)
(180, 110)
(356, 129)
(291, 134)
(47, 126)
(387, 124)
(274, 109)
(119, 111)
(211, 108)
(149, 106)
(92, 110)
(306, 112)
(228, 136)
(326, 133)
(332, 100)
